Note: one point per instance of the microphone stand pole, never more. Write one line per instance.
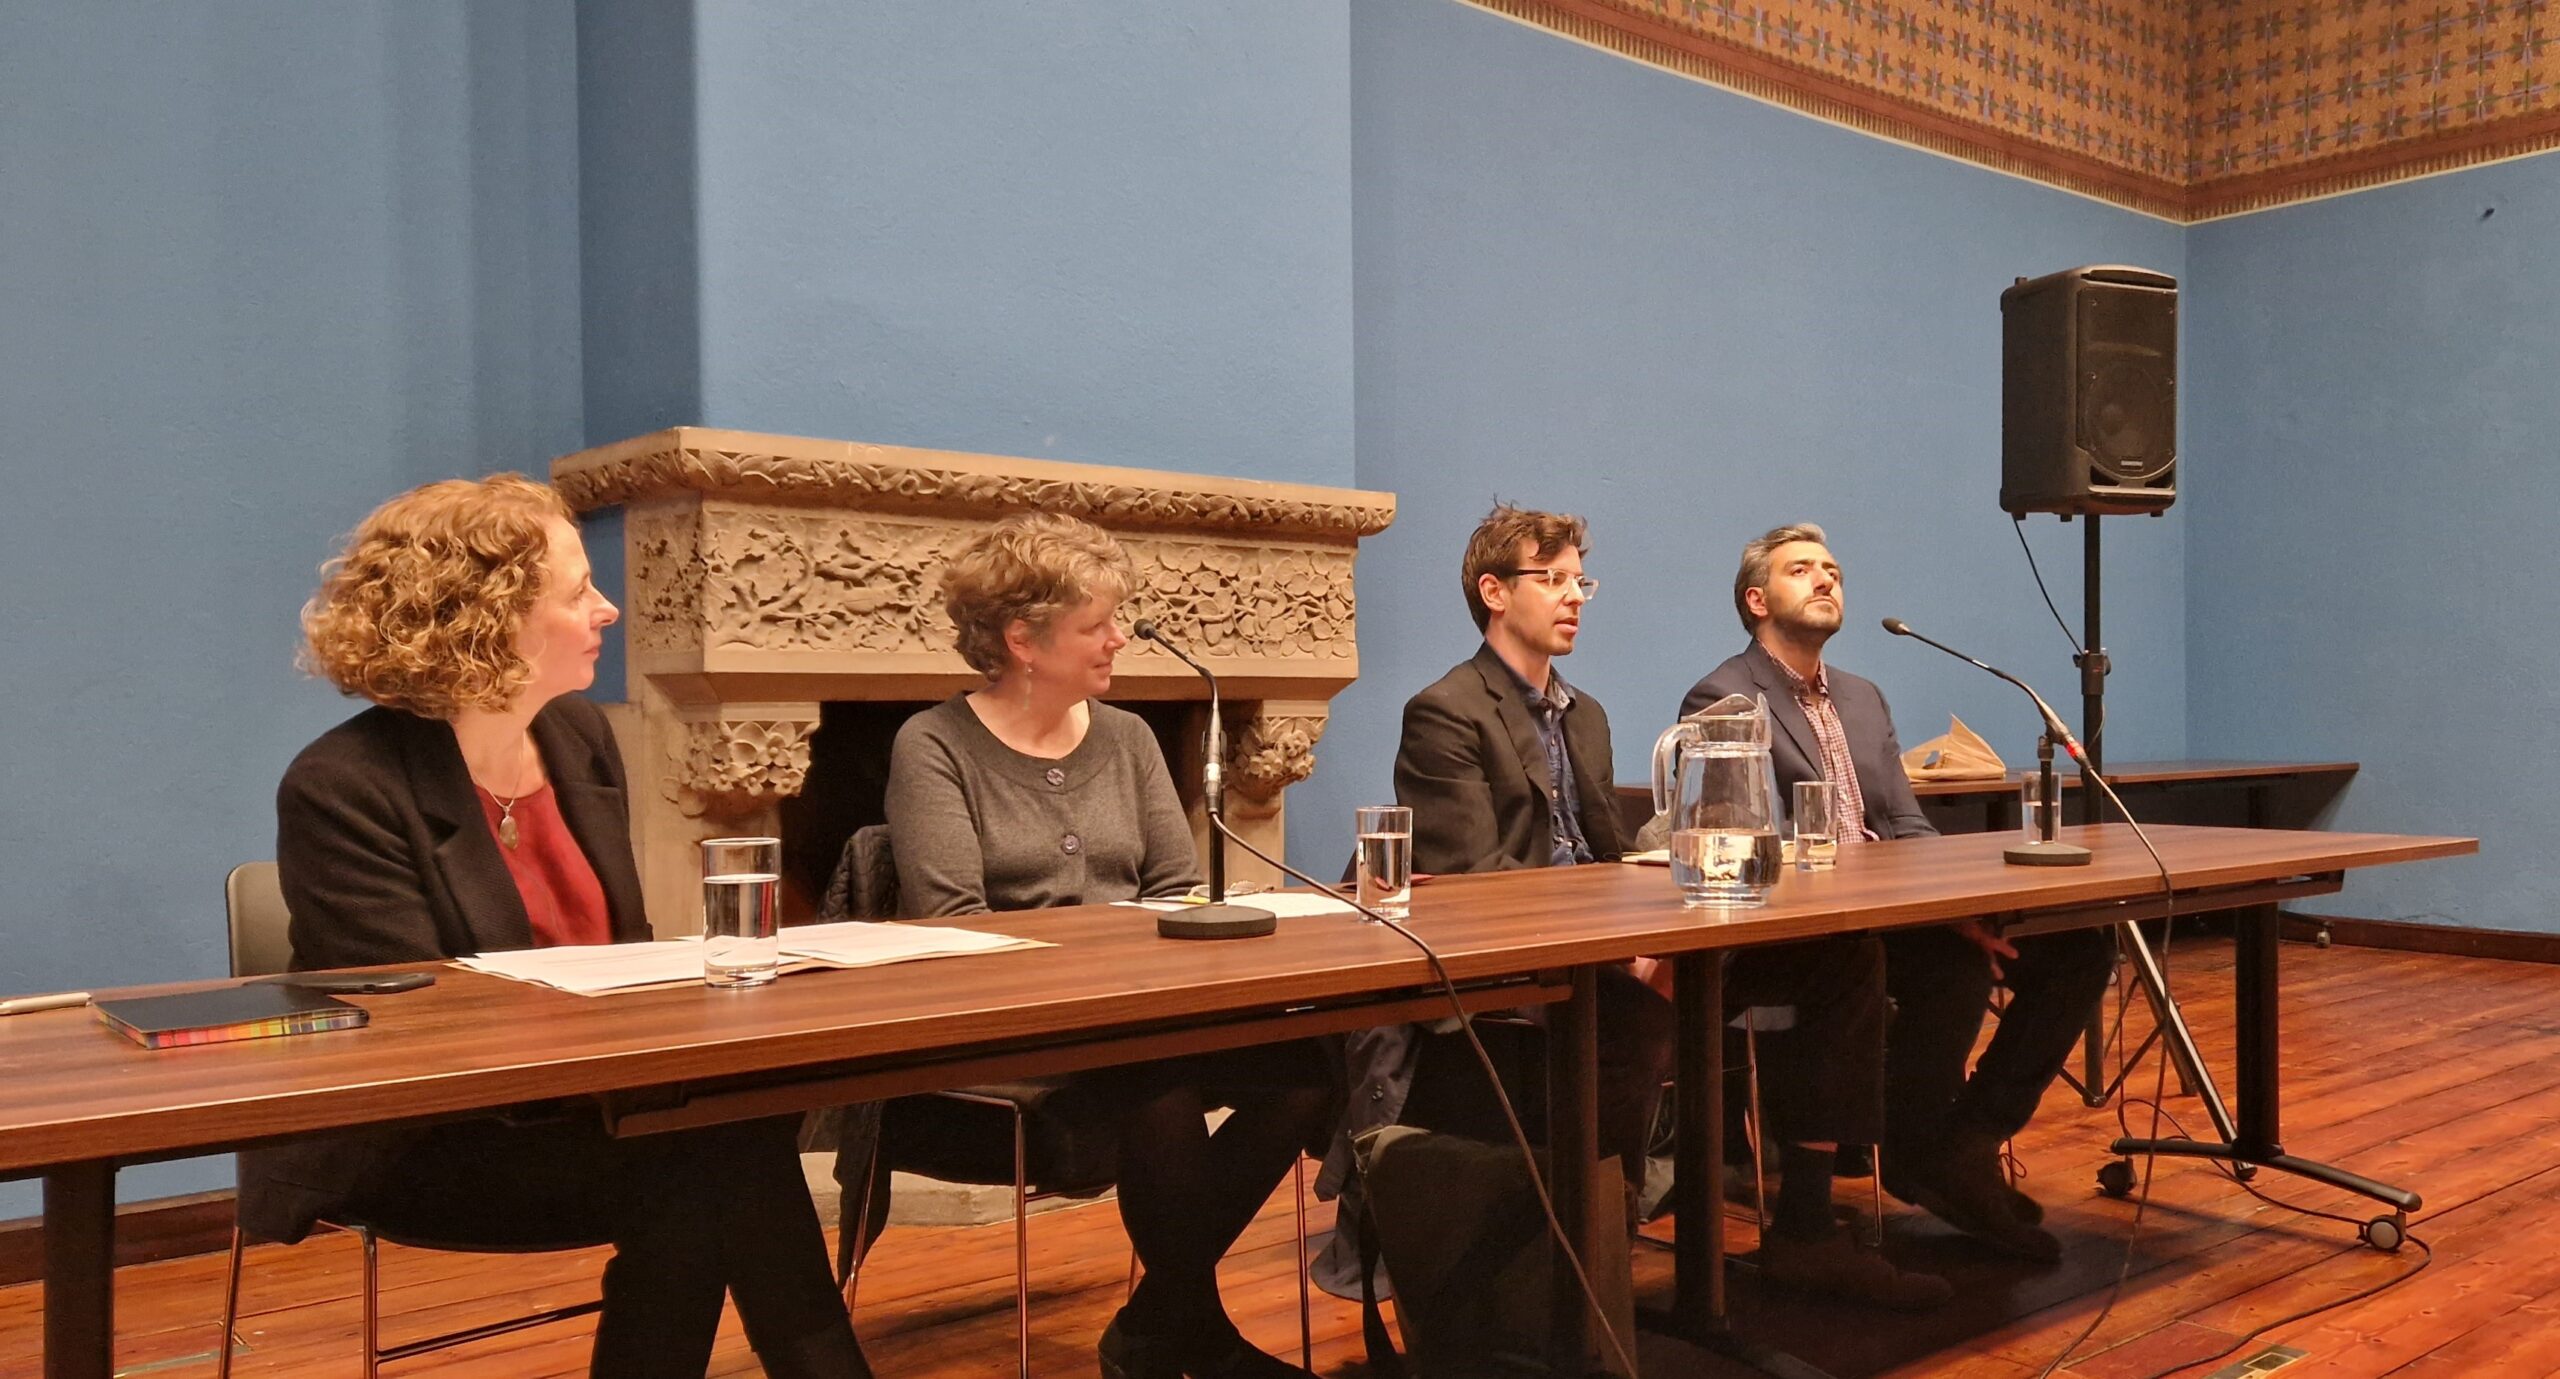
(2169, 1023)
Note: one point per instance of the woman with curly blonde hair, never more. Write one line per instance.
(1032, 792)
(479, 806)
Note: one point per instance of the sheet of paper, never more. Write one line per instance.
(861, 943)
(594, 969)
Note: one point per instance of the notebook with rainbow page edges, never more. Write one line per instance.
(226, 1013)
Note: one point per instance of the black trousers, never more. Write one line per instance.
(1941, 986)
(1187, 1192)
(692, 1215)
(1822, 1080)
(1637, 1031)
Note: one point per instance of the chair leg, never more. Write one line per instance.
(372, 1304)
(1751, 1127)
(850, 1253)
(1875, 1195)
(1021, 1241)
(1306, 1309)
(230, 1310)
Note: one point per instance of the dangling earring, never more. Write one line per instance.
(1027, 672)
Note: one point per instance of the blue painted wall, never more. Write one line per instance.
(1114, 231)
(1588, 285)
(2371, 415)
(264, 264)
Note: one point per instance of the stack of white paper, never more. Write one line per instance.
(594, 969)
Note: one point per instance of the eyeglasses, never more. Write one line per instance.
(1557, 581)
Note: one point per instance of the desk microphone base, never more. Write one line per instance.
(1216, 921)
(2045, 855)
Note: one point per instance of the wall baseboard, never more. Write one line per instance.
(2507, 945)
(163, 1228)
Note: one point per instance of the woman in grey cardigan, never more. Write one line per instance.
(1031, 792)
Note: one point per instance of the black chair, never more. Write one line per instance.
(1048, 1137)
(261, 946)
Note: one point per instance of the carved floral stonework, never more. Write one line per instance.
(765, 575)
(801, 580)
(1272, 753)
(732, 766)
(888, 484)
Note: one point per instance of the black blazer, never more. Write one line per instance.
(1892, 810)
(385, 856)
(1471, 768)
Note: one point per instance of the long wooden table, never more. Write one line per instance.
(77, 1100)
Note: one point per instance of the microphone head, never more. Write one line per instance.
(1897, 627)
(1144, 629)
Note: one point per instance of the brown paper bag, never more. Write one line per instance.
(1959, 755)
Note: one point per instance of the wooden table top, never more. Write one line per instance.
(72, 1090)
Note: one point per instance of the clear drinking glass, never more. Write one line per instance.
(2032, 807)
(741, 910)
(1817, 831)
(1385, 867)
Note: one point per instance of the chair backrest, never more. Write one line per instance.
(261, 943)
(865, 883)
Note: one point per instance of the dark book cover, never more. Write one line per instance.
(226, 1013)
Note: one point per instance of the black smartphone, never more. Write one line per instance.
(354, 983)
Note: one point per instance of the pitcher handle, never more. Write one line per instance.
(1666, 762)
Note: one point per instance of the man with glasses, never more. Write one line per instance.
(1943, 1130)
(1505, 765)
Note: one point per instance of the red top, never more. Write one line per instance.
(561, 894)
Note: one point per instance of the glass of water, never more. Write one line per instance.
(741, 910)
(1386, 858)
(1817, 830)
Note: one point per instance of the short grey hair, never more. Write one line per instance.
(1754, 573)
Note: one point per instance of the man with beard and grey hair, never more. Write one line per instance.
(1943, 1130)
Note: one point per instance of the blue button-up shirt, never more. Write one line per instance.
(1564, 805)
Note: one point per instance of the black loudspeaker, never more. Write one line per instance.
(2089, 392)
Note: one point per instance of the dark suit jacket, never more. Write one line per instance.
(385, 856)
(1475, 775)
(1892, 810)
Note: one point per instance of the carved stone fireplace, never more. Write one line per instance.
(767, 576)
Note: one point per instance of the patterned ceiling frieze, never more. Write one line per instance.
(2185, 109)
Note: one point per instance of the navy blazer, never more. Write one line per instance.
(385, 856)
(1892, 810)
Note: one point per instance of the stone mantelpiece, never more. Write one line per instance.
(768, 574)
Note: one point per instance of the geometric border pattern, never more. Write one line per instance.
(2186, 109)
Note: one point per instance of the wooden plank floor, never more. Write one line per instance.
(2441, 1074)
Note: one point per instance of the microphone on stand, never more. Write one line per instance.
(2044, 851)
(1217, 919)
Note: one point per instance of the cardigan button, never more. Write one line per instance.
(1055, 777)
(1071, 845)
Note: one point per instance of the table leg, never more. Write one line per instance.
(79, 1271)
(1573, 1154)
(1697, 1211)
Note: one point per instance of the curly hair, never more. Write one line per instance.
(420, 608)
(1032, 566)
(1494, 548)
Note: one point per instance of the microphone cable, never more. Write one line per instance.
(2159, 1078)
(1510, 1115)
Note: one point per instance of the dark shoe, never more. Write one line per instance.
(1128, 1354)
(831, 1353)
(1962, 1186)
(2022, 1206)
(1217, 1352)
(1836, 1266)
